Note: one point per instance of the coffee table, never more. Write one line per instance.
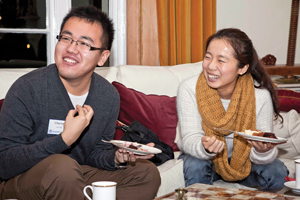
(203, 191)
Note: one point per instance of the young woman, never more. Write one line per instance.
(233, 92)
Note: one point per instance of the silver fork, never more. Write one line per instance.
(112, 142)
(228, 131)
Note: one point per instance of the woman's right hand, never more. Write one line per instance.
(212, 144)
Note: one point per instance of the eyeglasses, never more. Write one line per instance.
(82, 46)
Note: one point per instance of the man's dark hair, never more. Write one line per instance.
(93, 15)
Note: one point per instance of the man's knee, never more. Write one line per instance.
(60, 168)
(47, 178)
(148, 170)
(61, 163)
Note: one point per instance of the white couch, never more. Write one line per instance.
(165, 81)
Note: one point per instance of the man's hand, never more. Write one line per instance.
(212, 144)
(262, 147)
(74, 126)
(123, 156)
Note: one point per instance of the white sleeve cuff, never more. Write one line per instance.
(263, 158)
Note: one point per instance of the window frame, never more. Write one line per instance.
(56, 11)
(118, 13)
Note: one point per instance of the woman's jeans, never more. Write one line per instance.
(265, 177)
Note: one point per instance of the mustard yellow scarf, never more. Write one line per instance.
(240, 116)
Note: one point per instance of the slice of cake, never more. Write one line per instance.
(254, 133)
(260, 134)
(270, 135)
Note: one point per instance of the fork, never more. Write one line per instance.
(112, 142)
(107, 141)
(228, 131)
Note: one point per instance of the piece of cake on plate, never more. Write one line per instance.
(260, 134)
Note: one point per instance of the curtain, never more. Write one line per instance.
(142, 39)
(183, 27)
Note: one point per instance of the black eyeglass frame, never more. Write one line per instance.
(58, 37)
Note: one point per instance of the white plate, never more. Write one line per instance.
(292, 185)
(143, 149)
(263, 139)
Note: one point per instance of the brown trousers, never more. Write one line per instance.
(60, 177)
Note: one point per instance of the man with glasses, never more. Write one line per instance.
(48, 149)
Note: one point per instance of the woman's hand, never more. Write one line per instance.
(212, 144)
(123, 156)
(262, 147)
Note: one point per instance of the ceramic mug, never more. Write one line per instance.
(297, 167)
(102, 190)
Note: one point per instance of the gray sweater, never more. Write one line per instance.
(39, 96)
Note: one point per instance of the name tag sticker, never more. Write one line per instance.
(55, 126)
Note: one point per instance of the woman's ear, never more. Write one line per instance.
(243, 70)
(105, 54)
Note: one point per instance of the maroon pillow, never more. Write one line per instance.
(289, 99)
(1, 102)
(119, 133)
(156, 112)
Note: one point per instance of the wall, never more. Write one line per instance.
(266, 22)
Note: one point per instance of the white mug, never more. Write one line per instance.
(297, 167)
(102, 190)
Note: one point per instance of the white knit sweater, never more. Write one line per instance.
(191, 123)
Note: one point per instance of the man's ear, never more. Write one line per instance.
(243, 70)
(104, 56)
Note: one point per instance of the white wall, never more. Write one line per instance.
(266, 22)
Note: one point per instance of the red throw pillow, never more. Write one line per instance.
(119, 133)
(1, 102)
(156, 112)
(289, 99)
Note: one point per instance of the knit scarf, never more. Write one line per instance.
(240, 115)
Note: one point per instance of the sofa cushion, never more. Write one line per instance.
(9, 76)
(109, 73)
(157, 79)
(171, 173)
(289, 99)
(119, 133)
(290, 129)
(156, 112)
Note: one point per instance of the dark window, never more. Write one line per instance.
(23, 14)
(25, 49)
(19, 50)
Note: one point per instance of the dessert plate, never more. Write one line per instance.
(141, 148)
(257, 138)
(262, 139)
(292, 185)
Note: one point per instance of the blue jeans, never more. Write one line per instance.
(266, 177)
